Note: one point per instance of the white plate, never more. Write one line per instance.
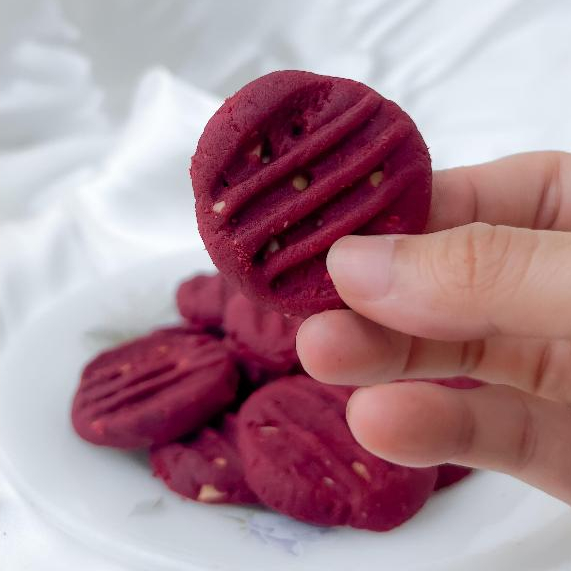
(110, 500)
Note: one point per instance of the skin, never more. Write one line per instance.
(487, 294)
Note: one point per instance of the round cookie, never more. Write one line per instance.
(207, 468)
(449, 474)
(301, 459)
(292, 162)
(262, 341)
(154, 389)
(201, 301)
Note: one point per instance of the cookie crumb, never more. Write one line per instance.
(267, 430)
(300, 182)
(361, 470)
(376, 178)
(210, 494)
(273, 246)
(218, 207)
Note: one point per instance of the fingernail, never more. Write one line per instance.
(360, 266)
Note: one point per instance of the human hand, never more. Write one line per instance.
(487, 294)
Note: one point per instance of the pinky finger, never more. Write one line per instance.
(493, 427)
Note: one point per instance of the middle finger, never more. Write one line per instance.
(342, 347)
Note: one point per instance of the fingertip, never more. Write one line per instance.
(311, 345)
(360, 267)
(340, 260)
(409, 424)
(341, 347)
(319, 341)
(337, 249)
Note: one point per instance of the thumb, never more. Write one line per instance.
(465, 283)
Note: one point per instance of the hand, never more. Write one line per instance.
(487, 294)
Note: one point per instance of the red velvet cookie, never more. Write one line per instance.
(262, 341)
(449, 474)
(154, 389)
(292, 162)
(207, 468)
(301, 459)
(201, 300)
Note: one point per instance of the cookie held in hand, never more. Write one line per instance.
(292, 162)
(154, 389)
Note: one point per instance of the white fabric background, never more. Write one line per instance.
(101, 105)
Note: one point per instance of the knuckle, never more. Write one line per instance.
(472, 354)
(478, 262)
(466, 436)
(550, 374)
(481, 254)
(525, 448)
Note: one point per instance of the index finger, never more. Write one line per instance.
(529, 190)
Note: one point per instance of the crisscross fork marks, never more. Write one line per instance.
(140, 392)
(120, 381)
(253, 236)
(322, 238)
(324, 138)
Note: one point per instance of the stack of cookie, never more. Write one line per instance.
(222, 404)
(284, 168)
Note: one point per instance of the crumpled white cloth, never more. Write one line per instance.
(101, 105)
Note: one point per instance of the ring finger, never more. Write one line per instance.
(497, 428)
